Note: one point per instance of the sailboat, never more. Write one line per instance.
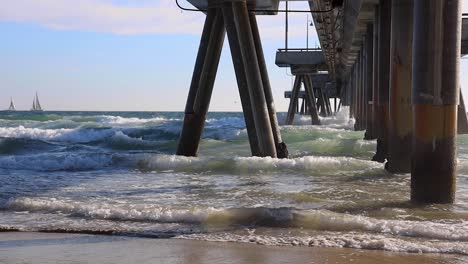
(12, 105)
(36, 107)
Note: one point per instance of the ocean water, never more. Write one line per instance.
(116, 173)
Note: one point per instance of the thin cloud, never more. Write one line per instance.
(103, 16)
(139, 17)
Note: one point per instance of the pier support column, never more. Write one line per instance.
(203, 78)
(335, 106)
(400, 108)
(244, 55)
(357, 81)
(363, 88)
(384, 79)
(310, 98)
(352, 93)
(303, 105)
(436, 70)
(321, 103)
(370, 133)
(293, 104)
(327, 101)
(252, 79)
(462, 123)
(281, 148)
(362, 125)
(375, 74)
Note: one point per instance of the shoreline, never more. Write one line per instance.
(40, 247)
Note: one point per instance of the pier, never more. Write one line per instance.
(305, 65)
(395, 63)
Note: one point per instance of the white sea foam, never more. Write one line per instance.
(319, 220)
(238, 164)
(340, 121)
(63, 134)
(309, 163)
(106, 211)
(340, 240)
(118, 120)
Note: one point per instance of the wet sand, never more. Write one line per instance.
(23, 247)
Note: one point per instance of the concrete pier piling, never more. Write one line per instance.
(370, 133)
(400, 109)
(335, 106)
(353, 92)
(362, 83)
(375, 74)
(243, 89)
(357, 94)
(281, 148)
(436, 62)
(236, 14)
(383, 79)
(363, 88)
(309, 102)
(201, 87)
(329, 108)
(358, 116)
(252, 79)
(242, 45)
(310, 98)
(294, 102)
(397, 64)
(462, 119)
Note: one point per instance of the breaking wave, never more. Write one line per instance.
(162, 162)
(394, 235)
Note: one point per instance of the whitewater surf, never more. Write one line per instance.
(116, 173)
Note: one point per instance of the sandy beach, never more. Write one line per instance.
(24, 247)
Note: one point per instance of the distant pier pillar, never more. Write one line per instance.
(357, 126)
(294, 102)
(353, 92)
(400, 108)
(358, 113)
(436, 72)
(375, 74)
(370, 133)
(201, 87)
(310, 99)
(363, 87)
(383, 79)
(309, 102)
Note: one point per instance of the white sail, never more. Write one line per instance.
(36, 105)
(12, 105)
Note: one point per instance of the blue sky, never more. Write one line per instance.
(123, 55)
